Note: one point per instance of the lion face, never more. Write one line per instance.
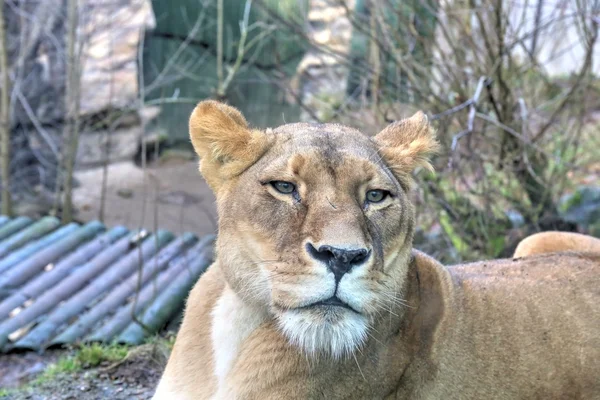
(314, 220)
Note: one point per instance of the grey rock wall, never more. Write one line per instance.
(108, 38)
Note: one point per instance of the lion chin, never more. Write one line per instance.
(330, 331)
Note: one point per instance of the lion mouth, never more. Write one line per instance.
(333, 301)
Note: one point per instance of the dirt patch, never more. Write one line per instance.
(135, 377)
(170, 196)
(142, 366)
(18, 369)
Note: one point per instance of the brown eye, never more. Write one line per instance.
(284, 187)
(376, 196)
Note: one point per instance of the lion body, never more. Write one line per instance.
(500, 329)
(259, 324)
(553, 242)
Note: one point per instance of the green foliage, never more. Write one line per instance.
(459, 244)
(94, 354)
(64, 365)
(164, 342)
(572, 201)
(475, 229)
(331, 104)
(87, 356)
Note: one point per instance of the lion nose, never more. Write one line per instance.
(338, 260)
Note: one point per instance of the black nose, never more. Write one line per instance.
(339, 261)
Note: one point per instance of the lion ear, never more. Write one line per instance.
(226, 145)
(407, 144)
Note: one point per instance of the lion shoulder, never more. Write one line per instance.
(182, 371)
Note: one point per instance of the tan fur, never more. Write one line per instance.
(223, 156)
(408, 143)
(554, 242)
(507, 329)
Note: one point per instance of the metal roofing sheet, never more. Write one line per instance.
(64, 284)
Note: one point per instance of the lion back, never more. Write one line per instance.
(555, 242)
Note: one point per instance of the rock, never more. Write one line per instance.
(122, 144)
(170, 156)
(112, 32)
(109, 36)
(107, 42)
(321, 78)
(125, 193)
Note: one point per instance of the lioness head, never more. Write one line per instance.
(315, 224)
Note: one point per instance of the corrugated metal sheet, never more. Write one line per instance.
(73, 283)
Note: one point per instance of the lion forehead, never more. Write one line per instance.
(329, 139)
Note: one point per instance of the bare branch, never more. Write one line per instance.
(472, 102)
(72, 106)
(6, 197)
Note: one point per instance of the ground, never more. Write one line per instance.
(121, 374)
(173, 196)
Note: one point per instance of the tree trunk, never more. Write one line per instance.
(4, 120)
(71, 134)
(220, 93)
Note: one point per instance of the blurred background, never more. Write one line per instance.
(95, 96)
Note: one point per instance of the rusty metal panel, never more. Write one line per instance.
(61, 284)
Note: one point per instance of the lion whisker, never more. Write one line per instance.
(358, 365)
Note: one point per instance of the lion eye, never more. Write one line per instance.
(284, 187)
(376, 196)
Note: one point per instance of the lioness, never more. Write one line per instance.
(316, 293)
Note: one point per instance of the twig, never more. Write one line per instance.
(173, 59)
(107, 138)
(142, 101)
(36, 123)
(6, 197)
(585, 68)
(472, 110)
(517, 135)
(220, 43)
(241, 51)
(524, 116)
(451, 111)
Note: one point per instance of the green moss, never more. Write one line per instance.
(87, 356)
(94, 354)
(64, 365)
(166, 342)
